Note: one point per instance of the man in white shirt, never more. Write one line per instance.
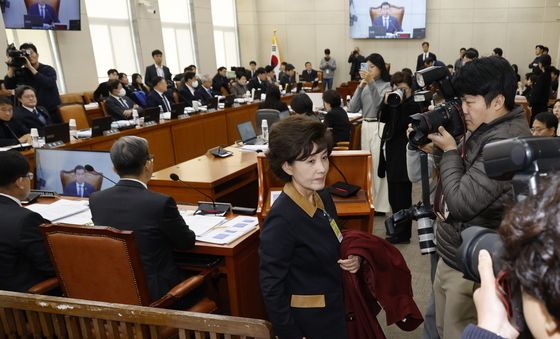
(79, 187)
(157, 69)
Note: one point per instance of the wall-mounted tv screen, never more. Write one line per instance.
(41, 14)
(66, 171)
(397, 19)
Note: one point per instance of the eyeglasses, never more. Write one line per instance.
(30, 176)
(151, 157)
(537, 129)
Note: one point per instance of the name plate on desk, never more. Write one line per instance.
(149, 123)
(111, 131)
(54, 144)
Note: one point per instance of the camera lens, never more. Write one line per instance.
(449, 115)
(426, 236)
(476, 238)
(394, 98)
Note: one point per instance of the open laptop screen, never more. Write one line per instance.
(246, 131)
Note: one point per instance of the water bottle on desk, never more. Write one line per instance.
(264, 129)
(73, 129)
(135, 116)
(34, 138)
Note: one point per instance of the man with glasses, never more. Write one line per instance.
(153, 217)
(24, 260)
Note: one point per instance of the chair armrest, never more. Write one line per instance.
(44, 286)
(179, 291)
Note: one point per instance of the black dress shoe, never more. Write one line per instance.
(379, 214)
(397, 240)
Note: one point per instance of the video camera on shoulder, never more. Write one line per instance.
(524, 161)
(449, 114)
(17, 57)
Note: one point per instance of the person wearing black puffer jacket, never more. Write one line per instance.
(465, 195)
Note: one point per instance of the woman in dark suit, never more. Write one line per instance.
(300, 269)
(272, 100)
(394, 137)
(538, 99)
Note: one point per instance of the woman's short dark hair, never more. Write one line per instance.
(13, 165)
(221, 69)
(135, 77)
(272, 96)
(294, 138)
(399, 77)
(548, 118)
(189, 75)
(240, 75)
(379, 62)
(471, 53)
(6, 101)
(20, 89)
(129, 155)
(487, 77)
(545, 60)
(531, 234)
(113, 84)
(302, 104)
(332, 98)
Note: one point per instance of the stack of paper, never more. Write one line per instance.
(60, 209)
(200, 224)
(230, 230)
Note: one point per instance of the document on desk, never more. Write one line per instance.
(201, 224)
(60, 209)
(230, 230)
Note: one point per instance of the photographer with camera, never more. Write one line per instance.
(465, 195)
(530, 233)
(24, 69)
(355, 59)
(398, 106)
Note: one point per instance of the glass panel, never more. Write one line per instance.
(123, 51)
(223, 13)
(219, 45)
(177, 34)
(100, 9)
(186, 53)
(174, 11)
(170, 44)
(102, 50)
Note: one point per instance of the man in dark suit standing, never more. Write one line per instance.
(29, 115)
(79, 187)
(24, 260)
(157, 69)
(425, 55)
(308, 74)
(251, 72)
(391, 24)
(45, 11)
(158, 95)
(153, 217)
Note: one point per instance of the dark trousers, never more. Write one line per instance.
(400, 197)
(328, 83)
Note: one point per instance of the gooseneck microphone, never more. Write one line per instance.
(90, 168)
(215, 208)
(13, 134)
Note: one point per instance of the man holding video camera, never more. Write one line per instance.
(465, 195)
(24, 68)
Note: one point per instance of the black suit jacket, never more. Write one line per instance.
(101, 92)
(254, 83)
(24, 261)
(420, 60)
(151, 74)
(29, 120)
(7, 131)
(337, 119)
(154, 99)
(187, 96)
(203, 94)
(116, 109)
(308, 77)
(157, 225)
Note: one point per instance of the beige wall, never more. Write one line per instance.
(306, 27)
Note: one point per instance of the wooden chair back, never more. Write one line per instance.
(71, 98)
(88, 97)
(38, 316)
(355, 167)
(74, 111)
(97, 263)
(396, 11)
(94, 179)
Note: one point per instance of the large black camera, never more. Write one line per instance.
(525, 161)
(424, 215)
(18, 58)
(448, 114)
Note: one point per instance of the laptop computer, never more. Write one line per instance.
(248, 135)
(56, 133)
(30, 21)
(212, 103)
(100, 125)
(177, 109)
(228, 102)
(258, 93)
(150, 114)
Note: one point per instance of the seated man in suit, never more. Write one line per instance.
(11, 131)
(391, 23)
(45, 11)
(24, 260)
(289, 77)
(204, 91)
(259, 81)
(119, 106)
(158, 95)
(157, 69)
(102, 92)
(308, 74)
(29, 115)
(220, 83)
(153, 217)
(79, 187)
(188, 87)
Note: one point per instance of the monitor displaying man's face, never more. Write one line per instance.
(385, 10)
(80, 176)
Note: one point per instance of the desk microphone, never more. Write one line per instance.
(13, 134)
(342, 189)
(219, 208)
(90, 168)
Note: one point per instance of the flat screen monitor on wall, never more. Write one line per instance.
(41, 14)
(398, 19)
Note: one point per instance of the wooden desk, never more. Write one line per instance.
(232, 179)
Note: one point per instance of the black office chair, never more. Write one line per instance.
(270, 115)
